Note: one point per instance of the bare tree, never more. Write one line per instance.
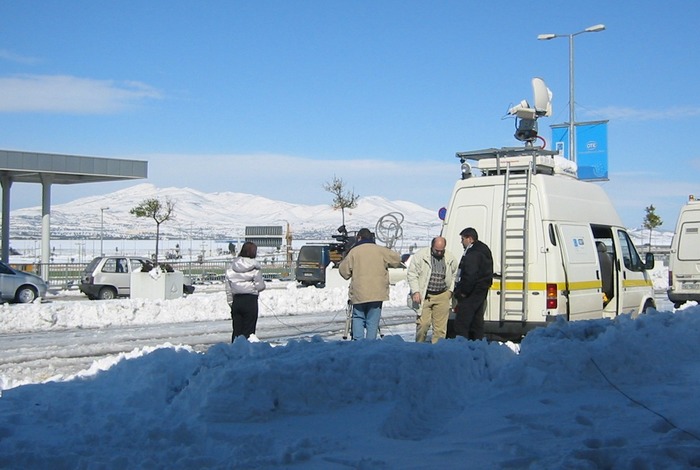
(342, 199)
(158, 211)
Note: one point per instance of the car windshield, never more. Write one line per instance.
(5, 269)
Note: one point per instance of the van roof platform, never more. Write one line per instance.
(505, 152)
(494, 161)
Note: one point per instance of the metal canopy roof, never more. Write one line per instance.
(49, 169)
(32, 167)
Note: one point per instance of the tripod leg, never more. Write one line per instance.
(348, 320)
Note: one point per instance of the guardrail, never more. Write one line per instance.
(68, 275)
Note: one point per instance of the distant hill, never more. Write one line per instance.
(224, 215)
(215, 216)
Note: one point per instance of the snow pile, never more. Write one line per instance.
(607, 393)
(593, 394)
(277, 299)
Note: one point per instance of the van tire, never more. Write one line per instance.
(648, 305)
(107, 293)
(25, 295)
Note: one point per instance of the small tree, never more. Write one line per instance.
(158, 211)
(651, 220)
(342, 199)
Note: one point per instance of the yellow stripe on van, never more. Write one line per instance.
(542, 286)
(637, 283)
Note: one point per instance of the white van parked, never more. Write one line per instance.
(684, 262)
(559, 247)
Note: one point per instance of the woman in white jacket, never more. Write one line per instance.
(244, 282)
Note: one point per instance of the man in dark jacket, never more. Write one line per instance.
(473, 283)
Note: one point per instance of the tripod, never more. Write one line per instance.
(347, 333)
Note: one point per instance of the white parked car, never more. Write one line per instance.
(109, 277)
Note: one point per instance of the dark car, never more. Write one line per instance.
(312, 262)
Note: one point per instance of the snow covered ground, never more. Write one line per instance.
(597, 394)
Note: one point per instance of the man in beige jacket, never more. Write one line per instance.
(431, 277)
(367, 264)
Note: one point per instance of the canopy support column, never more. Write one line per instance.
(6, 181)
(46, 181)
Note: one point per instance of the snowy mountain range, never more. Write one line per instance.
(225, 215)
(216, 216)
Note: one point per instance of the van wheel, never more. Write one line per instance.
(649, 304)
(25, 295)
(107, 293)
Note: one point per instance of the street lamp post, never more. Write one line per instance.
(572, 115)
(102, 229)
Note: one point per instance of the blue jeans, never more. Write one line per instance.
(366, 316)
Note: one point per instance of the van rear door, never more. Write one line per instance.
(684, 262)
(582, 285)
(686, 259)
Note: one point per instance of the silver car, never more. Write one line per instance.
(19, 286)
(108, 277)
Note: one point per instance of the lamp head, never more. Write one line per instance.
(545, 37)
(595, 28)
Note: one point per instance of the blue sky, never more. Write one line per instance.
(276, 97)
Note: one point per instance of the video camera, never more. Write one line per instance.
(345, 241)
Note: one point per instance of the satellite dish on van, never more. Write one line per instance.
(526, 117)
(543, 102)
(543, 97)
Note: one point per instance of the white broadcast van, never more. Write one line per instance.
(684, 262)
(559, 247)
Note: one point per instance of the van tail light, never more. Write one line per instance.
(552, 296)
(670, 278)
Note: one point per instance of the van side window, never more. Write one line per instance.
(629, 253)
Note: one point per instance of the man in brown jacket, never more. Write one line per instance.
(367, 264)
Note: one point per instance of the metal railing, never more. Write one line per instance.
(68, 275)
